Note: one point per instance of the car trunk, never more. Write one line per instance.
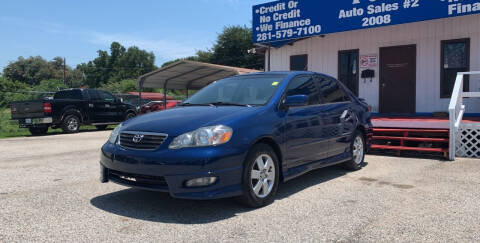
(27, 109)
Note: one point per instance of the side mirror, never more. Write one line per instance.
(296, 100)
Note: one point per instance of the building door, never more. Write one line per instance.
(348, 69)
(398, 79)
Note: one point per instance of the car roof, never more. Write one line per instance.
(286, 73)
(280, 72)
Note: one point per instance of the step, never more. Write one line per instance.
(411, 130)
(403, 148)
(442, 140)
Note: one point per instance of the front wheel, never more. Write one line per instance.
(357, 149)
(129, 116)
(260, 176)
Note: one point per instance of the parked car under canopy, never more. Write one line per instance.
(187, 75)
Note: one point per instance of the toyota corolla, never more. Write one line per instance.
(240, 137)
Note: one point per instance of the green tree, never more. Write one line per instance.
(28, 70)
(232, 47)
(50, 85)
(11, 91)
(201, 56)
(32, 70)
(119, 64)
(123, 86)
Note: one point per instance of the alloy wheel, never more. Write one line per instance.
(358, 150)
(263, 175)
(72, 124)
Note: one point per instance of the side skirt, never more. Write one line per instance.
(295, 172)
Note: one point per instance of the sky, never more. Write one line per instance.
(77, 29)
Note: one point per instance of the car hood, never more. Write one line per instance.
(180, 120)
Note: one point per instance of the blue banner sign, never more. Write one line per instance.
(292, 19)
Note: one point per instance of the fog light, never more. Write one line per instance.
(199, 182)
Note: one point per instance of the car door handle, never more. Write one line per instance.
(346, 116)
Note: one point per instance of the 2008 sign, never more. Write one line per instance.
(378, 20)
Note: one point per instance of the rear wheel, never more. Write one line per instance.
(36, 131)
(71, 124)
(101, 127)
(357, 148)
(260, 176)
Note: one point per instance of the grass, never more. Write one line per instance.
(9, 129)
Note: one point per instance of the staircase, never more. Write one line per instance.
(464, 138)
(411, 140)
(450, 137)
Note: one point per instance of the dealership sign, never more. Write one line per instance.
(284, 20)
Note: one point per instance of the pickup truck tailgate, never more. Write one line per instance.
(27, 109)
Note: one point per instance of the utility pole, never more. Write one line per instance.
(64, 70)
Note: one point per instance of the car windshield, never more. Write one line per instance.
(249, 90)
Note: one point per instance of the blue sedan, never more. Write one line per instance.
(240, 137)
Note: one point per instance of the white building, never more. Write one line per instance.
(414, 64)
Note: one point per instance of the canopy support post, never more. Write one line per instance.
(165, 95)
(140, 88)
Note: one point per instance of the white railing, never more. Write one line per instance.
(456, 110)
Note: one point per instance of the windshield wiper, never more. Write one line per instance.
(229, 104)
(190, 104)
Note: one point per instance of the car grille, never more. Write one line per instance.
(155, 182)
(142, 140)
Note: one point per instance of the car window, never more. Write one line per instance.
(243, 90)
(68, 94)
(304, 85)
(105, 96)
(331, 91)
(93, 95)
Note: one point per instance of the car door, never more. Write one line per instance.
(95, 105)
(110, 110)
(339, 119)
(304, 139)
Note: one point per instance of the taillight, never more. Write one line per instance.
(47, 108)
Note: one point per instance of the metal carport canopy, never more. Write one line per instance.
(188, 75)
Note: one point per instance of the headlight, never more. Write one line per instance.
(114, 135)
(205, 136)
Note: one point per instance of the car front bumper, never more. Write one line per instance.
(168, 170)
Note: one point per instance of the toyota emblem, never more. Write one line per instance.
(137, 138)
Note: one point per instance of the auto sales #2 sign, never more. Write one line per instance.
(292, 19)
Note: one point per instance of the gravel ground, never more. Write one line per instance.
(49, 191)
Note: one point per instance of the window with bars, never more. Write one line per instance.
(455, 58)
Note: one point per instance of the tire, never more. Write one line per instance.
(101, 127)
(37, 131)
(71, 124)
(357, 150)
(129, 116)
(256, 193)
